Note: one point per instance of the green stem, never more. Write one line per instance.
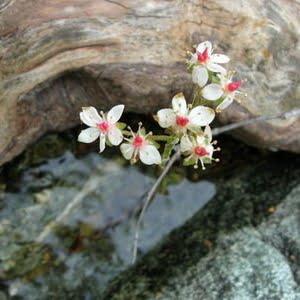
(165, 138)
(196, 96)
(162, 138)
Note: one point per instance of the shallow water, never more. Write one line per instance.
(67, 217)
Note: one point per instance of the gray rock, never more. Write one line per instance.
(66, 224)
(245, 244)
(249, 263)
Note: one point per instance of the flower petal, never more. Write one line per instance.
(115, 113)
(88, 135)
(127, 150)
(224, 104)
(208, 133)
(212, 91)
(215, 67)
(219, 58)
(194, 58)
(166, 118)
(210, 150)
(102, 143)
(149, 155)
(200, 75)
(179, 105)
(185, 144)
(201, 116)
(202, 46)
(90, 116)
(115, 136)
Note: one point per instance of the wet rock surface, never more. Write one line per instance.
(67, 224)
(67, 218)
(244, 244)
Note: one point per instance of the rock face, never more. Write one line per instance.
(66, 230)
(245, 244)
(58, 57)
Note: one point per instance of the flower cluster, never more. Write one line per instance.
(205, 67)
(186, 125)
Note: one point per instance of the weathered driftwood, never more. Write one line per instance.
(57, 56)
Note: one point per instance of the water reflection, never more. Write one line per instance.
(66, 225)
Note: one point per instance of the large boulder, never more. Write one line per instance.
(56, 58)
(245, 244)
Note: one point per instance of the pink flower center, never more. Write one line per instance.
(203, 57)
(200, 151)
(182, 121)
(138, 141)
(233, 86)
(104, 126)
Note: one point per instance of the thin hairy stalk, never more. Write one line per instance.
(148, 199)
(176, 155)
(285, 115)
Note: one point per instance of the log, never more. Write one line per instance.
(59, 55)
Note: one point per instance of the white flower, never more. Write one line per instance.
(140, 147)
(199, 148)
(180, 119)
(103, 126)
(227, 89)
(204, 60)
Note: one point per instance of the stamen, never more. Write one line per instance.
(202, 164)
(140, 126)
(231, 73)
(149, 133)
(132, 133)
(189, 157)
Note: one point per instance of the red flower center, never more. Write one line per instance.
(203, 57)
(182, 121)
(233, 86)
(104, 126)
(200, 151)
(138, 141)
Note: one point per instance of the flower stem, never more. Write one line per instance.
(162, 138)
(196, 96)
(148, 199)
(165, 138)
